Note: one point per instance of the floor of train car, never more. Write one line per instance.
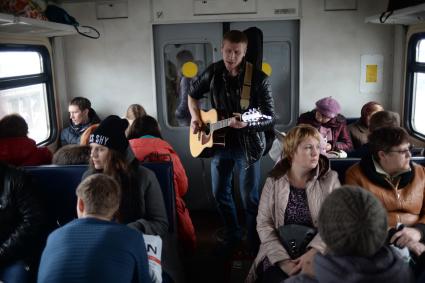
(203, 265)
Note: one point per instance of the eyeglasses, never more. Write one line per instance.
(404, 151)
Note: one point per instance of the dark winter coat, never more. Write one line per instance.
(22, 218)
(214, 80)
(72, 134)
(340, 136)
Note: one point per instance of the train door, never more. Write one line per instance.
(175, 45)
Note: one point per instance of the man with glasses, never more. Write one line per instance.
(390, 175)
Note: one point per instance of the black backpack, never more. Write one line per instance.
(254, 55)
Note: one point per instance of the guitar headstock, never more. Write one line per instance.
(254, 116)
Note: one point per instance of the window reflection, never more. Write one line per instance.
(31, 103)
(20, 63)
(183, 64)
(418, 103)
(420, 51)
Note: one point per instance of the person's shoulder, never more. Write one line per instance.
(260, 75)
(355, 126)
(145, 173)
(340, 118)
(15, 173)
(65, 131)
(63, 230)
(306, 115)
(354, 169)
(418, 168)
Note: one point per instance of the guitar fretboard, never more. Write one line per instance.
(220, 124)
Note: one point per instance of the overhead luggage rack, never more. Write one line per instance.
(26, 26)
(406, 16)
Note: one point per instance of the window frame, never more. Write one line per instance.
(412, 68)
(45, 77)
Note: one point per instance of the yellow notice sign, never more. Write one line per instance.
(371, 73)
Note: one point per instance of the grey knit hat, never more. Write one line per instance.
(352, 222)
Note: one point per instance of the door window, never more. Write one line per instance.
(182, 65)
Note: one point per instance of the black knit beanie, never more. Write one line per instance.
(111, 133)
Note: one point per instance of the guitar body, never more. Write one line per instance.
(211, 134)
(202, 142)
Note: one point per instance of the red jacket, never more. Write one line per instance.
(23, 151)
(145, 146)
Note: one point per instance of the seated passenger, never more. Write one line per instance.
(353, 224)
(359, 130)
(81, 116)
(331, 125)
(145, 139)
(397, 182)
(72, 154)
(293, 194)
(93, 248)
(85, 137)
(142, 205)
(16, 147)
(378, 120)
(134, 111)
(23, 227)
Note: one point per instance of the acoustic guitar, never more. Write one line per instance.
(208, 137)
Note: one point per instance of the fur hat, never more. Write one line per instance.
(111, 133)
(328, 107)
(352, 222)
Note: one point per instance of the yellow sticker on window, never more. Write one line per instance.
(189, 69)
(371, 73)
(267, 69)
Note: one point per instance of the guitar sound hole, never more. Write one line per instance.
(206, 129)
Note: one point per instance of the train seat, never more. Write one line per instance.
(342, 164)
(57, 184)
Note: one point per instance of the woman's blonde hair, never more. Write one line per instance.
(297, 135)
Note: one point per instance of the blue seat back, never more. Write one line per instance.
(341, 165)
(351, 120)
(57, 185)
(165, 175)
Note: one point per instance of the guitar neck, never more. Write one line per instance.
(220, 124)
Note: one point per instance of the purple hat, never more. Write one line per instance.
(328, 107)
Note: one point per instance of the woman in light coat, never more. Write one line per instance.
(293, 194)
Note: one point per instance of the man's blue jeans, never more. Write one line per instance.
(222, 170)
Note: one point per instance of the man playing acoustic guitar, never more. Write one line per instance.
(245, 142)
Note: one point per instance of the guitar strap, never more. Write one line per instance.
(246, 89)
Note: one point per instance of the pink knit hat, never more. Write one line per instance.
(328, 107)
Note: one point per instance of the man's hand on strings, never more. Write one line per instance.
(235, 122)
(196, 125)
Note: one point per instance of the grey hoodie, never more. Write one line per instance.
(384, 266)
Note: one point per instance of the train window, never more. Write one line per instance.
(182, 64)
(415, 85)
(26, 88)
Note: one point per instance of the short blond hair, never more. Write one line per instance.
(297, 135)
(101, 195)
